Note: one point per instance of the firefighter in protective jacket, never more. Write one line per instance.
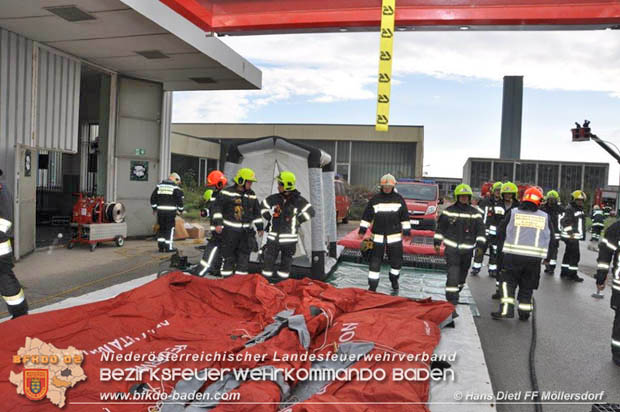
(236, 214)
(285, 212)
(573, 230)
(608, 258)
(555, 211)
(388, 214)
(461, 229)
(524, 237)
(167, 201)
(492, 214)
(10, 288)
(598, 223)
(510, 193)
(211, 261)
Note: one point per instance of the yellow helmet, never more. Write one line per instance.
(579, 195)
(245, 175)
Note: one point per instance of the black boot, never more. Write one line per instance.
(492, 273)
(575, 278)
(395, 286)
(510, 313)
(18, 310)
(524, 316)
(549, 270)
(475, 271)
(372, 284)
(497, 295)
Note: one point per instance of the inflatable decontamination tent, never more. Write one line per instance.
(316, 252)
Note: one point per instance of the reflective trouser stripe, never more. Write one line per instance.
(15, 299)
(492, 267)
(553, 262)
(373, 275)
(452, 289)
(241, 273)
(526, 307)
(477, 265)
(171, 238)
(506, 300)
(166, 208)
(225, 273)
(267, 273)
(395, 272)
(161, 239)
(206, 265)
(283, 274)
(5, 225)
(615, 343)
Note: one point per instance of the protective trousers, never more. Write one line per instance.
(458, 265)
(552, 255)
(522, 272)
(479, 255)
(235, 251)
(11, 290)
(165, 234)
(273, 248)
(596, 233)
(570, 260)
(615, 338)
(211, 261)
(395, 257)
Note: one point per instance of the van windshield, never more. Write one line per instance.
(417, 192)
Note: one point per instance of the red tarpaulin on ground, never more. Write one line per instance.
(189, 315)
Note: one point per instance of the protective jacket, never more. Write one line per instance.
(493, 213)
(555, 212)
(460, 227)
(598, 219)
(285, 213)
(237, 209)
(389, 217)
(608, 259)
(167, 197)
(526, 231)
(573, 223)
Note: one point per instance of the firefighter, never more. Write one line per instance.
(608, 255)
(598, 223)
(387, 211)
(284, 211)
(510, 193)
(460, 228)
(492, 213)
(10, 288)
(167, 201)
(555, 211)
(236, 214)
(523, 238)
(211, 261)
(573, 230)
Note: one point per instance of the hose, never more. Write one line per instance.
(533, 378)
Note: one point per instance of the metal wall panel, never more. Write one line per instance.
(58, 95)
(371, 160)
(15, 100)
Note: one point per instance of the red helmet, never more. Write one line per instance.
(217, 179)
(533, 195)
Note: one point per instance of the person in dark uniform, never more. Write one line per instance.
(608, 258)
(387, 213)
(598, 223)
(211, 261)
(523, 238)
(510, 193)
(555, 211)
(235, 215)
(573, 230)
(167, 201)
(461, 229)
(10, 288)
(492, 214)
(284, 211)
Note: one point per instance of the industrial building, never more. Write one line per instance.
(85, 103)
(557, 175)
(362, 155)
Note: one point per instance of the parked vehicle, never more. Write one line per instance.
(343, 201)
(422, 198)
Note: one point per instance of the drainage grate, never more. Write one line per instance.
(599, 407)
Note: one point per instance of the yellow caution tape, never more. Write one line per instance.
(388, 11)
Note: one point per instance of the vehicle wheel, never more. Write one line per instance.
(345, 219)
(119, 240)
(93, 246)
(70, 245)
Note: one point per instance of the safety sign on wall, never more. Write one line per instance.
(388, 11)
(139, 170)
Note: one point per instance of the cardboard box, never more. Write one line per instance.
(196, 232)
(180, 232)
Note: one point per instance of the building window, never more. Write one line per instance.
(548, 176)
(503, 171)
(595, 178)
(526, 173)
(571, 177)
(480, 173)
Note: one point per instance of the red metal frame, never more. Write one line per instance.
(229, 16)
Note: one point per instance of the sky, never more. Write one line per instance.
(449, 82)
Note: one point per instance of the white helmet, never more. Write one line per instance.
(175, 178)
(388, 180)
